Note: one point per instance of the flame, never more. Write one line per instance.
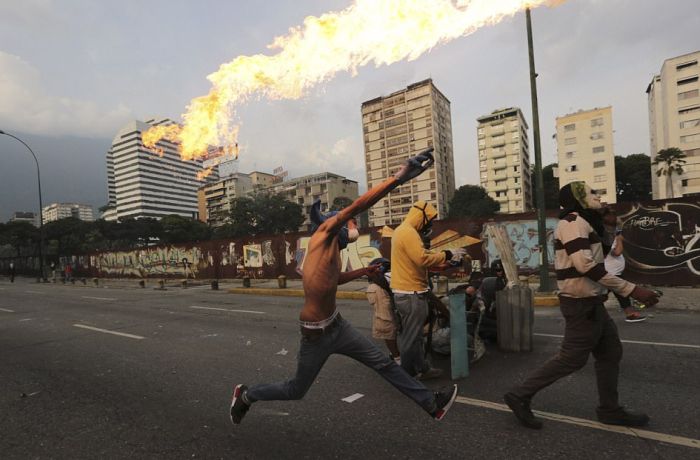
(201, 175)
(369, 31)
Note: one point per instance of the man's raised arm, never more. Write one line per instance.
(413, 167)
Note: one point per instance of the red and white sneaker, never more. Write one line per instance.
(444, 401)
(238, 405)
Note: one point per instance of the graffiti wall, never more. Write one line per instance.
(662, 247)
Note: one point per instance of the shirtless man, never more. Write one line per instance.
(323, 330)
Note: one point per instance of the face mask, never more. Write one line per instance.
(592, 199)
(426, 224)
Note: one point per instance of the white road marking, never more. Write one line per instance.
(7, 310)
(25, 319)
(352, 398)
(123, 334)
(97, 298)
(660, 344)
(226, 309)
(654, 436)
(33, 292)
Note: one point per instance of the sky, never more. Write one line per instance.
(73, 72)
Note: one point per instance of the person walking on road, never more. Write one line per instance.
(11, 272)
(583, 283)
(409, 282)
(323, 329)
(613, 245)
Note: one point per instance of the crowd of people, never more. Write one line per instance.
(403, 303)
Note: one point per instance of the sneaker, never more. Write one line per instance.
(431, 373)
(635, 317)
(238, 405)
(443, 402)
(521, 410)
(623, 417)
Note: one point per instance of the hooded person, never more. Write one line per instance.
(583, 284)
(346, 235)
(410, 261)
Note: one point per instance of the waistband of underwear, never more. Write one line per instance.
(396, 291)
(320, 324)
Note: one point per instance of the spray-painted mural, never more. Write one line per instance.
(523, 235)
(159, 261)
(662, 247)
(663, 240)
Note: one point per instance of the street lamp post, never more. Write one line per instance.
(41, 206)
(539, 192)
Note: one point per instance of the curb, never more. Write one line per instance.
(540, 301)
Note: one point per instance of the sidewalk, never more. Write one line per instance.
(674, 298)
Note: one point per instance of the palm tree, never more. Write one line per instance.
(669, 162)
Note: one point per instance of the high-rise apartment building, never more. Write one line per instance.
(325, 186)
(585, 151)
(398, 126)
(143, 183)
(214, 199)
(504, 159)
(674, 121)
(56, 211)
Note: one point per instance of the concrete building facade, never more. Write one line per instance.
(214, 199)
(674, 121)
(585, 151)
(401, 125)
(142, 183)
(25, 216)
(57, 211)
(504, 159)
(325, 186)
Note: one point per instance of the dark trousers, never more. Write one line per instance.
(589, 329)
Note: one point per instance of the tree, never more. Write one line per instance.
(179, 229)
(633, 177)
(67, 236)
(669, 162)
(260, 214)
(551, 188)
(19, 235)
(472, 201)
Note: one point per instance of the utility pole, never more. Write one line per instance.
(41, 207)
(539, 192)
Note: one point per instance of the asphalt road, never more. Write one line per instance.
(71, 388)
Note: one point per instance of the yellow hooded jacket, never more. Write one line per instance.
(409, 260)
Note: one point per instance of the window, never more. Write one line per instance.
(517, 191)
(599, 164)
(570, 127)
(686, 65)
(570, 154)
(601, 191)
(690, 123)
(687, 81)
(690, 138)
(684, 182)
(600, 178)
(570, 141)
(572, 168)
(598, 135)
(600, 149)
(515, 169)
(516, 180)
(691, 109)
(688, 94)
(596, 122)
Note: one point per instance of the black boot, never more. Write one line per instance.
(521, 410)
(622, 417)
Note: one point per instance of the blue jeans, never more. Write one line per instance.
(342, 339)
(413, 311)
